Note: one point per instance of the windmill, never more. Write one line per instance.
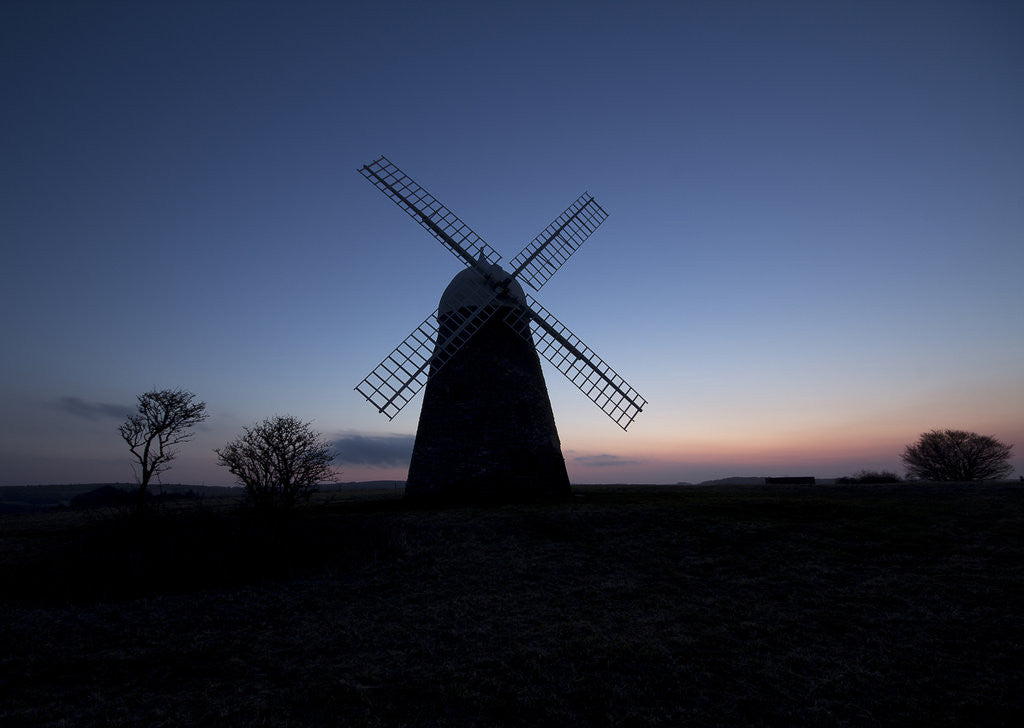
(486, 429)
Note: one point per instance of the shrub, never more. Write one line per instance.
(870, 476)
(280, 461)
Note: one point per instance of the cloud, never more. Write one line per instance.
(93, 410)
(604, 461)
(378, 451)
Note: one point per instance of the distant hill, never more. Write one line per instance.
(364, 485)
(23, 498)
(749, 480)
(20, 498)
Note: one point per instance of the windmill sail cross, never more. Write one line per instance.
(431, 345)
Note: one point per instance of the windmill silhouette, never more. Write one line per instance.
(486, 429)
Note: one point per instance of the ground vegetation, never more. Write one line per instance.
(723, 605)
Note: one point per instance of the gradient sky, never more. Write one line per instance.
(815, 248)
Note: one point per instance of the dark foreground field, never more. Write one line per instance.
(856, 605)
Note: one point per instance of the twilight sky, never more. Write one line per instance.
(814, 252)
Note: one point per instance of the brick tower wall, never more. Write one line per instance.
(486, 429)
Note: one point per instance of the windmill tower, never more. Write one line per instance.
(486, 429)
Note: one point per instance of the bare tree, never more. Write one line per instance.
(165, 419)
(956, 455)
(279, 461)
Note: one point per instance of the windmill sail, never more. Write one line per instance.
(423, 353)
(398, 378)
(578, 362)
(422, 207)
(539, 260)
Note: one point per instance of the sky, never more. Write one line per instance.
(814, 249)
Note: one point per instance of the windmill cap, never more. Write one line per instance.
(469, 289)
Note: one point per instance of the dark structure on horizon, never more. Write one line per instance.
(486, 430)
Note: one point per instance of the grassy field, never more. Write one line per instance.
(751, 605)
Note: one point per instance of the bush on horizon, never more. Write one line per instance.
(864, 477)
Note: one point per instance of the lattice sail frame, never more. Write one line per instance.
(407, 369)
(541, 259)
(434, 217)
(578, 362)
